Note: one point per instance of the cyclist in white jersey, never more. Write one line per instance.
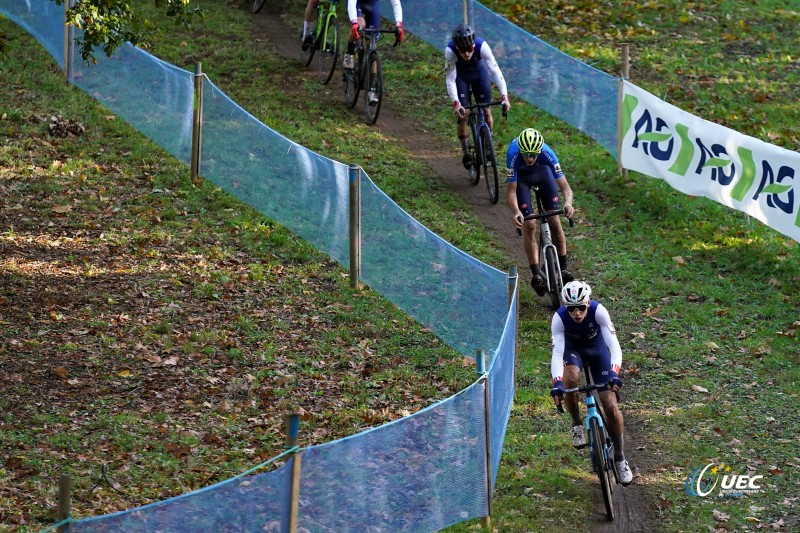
(469, 68)
(583, 334)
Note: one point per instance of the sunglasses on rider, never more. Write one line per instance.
(527, 155)
(467, 50)
(572, 308)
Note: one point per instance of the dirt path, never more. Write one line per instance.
(634, 507)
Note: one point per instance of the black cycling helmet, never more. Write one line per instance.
(463, 36)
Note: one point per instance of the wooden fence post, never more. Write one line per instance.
(292, 433)
(64, 501)
(480, 361)
(355, 226)
(69, 43)
(625, 72)
(513, 279)
(197, 123)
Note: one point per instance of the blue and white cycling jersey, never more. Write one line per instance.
(517, 169)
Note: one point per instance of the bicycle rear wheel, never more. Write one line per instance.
(489, 164)
(328, 51)
(374, 88)
(597, 438)
(257, 5)
(352, 80)
(554, 278)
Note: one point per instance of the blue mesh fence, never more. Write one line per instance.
(247, 503)
(501, 386)
(153, 96)
(420, 473)
(43, 20)
(309, 194)
(443, 288)
(304, 191)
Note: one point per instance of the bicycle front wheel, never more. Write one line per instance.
(328, 51)
(257, 5)
(351, 78)
(489, 164)
(554, 278)
(374, 88)
(475, 167)
(597, 438)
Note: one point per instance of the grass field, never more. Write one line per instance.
(110, 255)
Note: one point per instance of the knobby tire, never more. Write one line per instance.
(257, 5)
(597, 438)
(328, 51)
(554, 289)
(352, 80)
(601, 411)
(489, 164)
(474, 171)
(374, 83)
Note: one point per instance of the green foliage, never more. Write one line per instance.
(108, 24)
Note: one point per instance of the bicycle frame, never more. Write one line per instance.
(548, 254)
(326, 9)
(477, 121)
(605, 464)
(483, 149)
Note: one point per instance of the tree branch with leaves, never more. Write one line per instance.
(108, 24)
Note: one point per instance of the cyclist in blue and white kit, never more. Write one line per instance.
(583, 334)
(367, 14)
(468, 65)
(530, 162)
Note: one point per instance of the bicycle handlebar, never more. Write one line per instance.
(371, 30)
(489, 104)
(588, 388)
(546, 215)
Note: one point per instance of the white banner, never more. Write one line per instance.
(701, 158)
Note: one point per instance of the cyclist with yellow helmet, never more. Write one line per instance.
(530, 162)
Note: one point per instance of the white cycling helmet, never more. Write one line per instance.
(576, 293)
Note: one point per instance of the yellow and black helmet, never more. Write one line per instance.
(530, 141)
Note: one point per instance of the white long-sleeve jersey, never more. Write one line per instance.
(450, 71)
(353, 14)
(584, 335)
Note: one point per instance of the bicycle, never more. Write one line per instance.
(601, 449)
(366, 72)
(548, 255)
(482, 150)
(325, 39)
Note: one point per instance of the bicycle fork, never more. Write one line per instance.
(545, 244)
(607, 446)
